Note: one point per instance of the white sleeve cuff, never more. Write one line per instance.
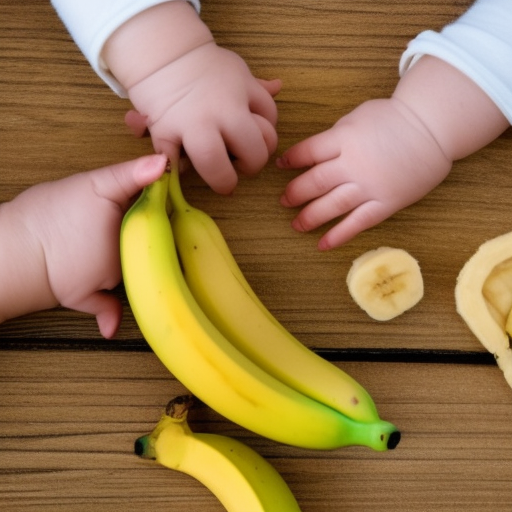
(479, 44)
(92, 22)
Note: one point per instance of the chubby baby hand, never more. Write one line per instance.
(209, 103)
(373, 162)
(76, 223)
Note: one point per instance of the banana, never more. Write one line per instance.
(221, 290)
(241, 479)
(199, 356)
(483, 297)
(385, 282)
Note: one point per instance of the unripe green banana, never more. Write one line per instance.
(199, 356)
(220, 288)
(239, 477)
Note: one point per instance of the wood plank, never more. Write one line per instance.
(68, 421)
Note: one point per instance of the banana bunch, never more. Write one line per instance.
(238, 476)
(209, 329)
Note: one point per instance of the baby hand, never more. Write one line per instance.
(373, 162)
(76, 222)
(209, 102)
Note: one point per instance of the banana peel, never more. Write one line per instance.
(483, 297)
(241, 479)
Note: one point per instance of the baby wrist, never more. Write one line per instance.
(450, 105)
(23, 274)
(152, 40)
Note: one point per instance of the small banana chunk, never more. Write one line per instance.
(385, 282)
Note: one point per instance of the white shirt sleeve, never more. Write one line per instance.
(479, 44)
(91, 22)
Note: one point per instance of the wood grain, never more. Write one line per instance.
(68, 421)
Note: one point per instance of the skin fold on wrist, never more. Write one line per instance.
(153, 39)
(25, 287)
(450, 105)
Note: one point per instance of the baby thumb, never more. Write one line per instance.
(120, 182)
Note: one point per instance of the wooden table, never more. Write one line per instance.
(72, 403)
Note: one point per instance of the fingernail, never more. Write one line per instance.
(148, 165)
(297, 226)
(284, 201)
(282, 162)
(158, 158)
(322, 245)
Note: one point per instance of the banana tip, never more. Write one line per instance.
(141, 446)
(393, 440)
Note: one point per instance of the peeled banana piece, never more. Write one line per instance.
(483, 297)
(385, 282)
(238, 476)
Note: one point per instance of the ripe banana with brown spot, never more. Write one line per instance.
(204, 360)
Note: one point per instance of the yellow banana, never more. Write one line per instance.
(239, 477)
(198, 355)
(221, 290)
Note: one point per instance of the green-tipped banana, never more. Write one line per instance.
(198, 355)
(240, 478)
(220, 288)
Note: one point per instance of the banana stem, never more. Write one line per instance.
(177, 198)
(176, 412)
(179, 406)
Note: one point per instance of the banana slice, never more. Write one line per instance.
(483, 296)
(385, 282)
